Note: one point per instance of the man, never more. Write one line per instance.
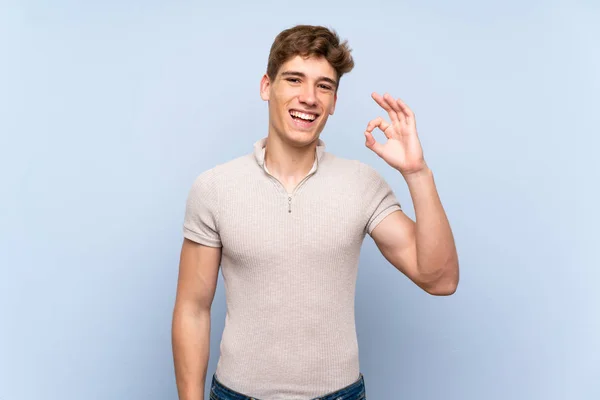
(286, 223)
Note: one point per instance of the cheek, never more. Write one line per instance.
(281, 100)
(276, 104)
(330, 107)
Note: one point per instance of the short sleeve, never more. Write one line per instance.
(379, 196)
(201, 214)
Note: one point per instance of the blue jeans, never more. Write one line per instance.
(355, 391)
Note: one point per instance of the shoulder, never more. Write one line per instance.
(227, 171)
(357, 170)
(340, 164)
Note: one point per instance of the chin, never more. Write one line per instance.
(301, 138)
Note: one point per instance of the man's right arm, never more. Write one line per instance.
(197, 282)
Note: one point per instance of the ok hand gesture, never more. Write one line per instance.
(402, 150)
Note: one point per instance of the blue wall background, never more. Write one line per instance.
(109, 110)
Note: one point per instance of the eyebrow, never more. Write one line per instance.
(303, 75)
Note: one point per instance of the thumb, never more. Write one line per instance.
(372, 144)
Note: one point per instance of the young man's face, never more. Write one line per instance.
(301, 98)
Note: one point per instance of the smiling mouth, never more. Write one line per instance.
(303, 116)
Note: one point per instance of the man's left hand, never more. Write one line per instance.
(402, 150)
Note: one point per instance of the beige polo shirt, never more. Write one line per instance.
(289, 264)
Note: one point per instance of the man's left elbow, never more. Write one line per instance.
(445, 286)
(443, 289)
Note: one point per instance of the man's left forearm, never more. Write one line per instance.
(437, 262)
(437, 258)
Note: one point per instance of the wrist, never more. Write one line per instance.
(418, 175)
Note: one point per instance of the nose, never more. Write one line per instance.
(308, 96)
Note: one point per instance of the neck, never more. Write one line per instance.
(287, 162)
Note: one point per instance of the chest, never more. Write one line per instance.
(268, 225)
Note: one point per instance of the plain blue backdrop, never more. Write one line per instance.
(109, 110)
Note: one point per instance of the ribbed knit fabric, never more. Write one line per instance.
(289, 263)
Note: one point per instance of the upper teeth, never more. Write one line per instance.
(302, 115)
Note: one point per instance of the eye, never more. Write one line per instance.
(293, 80)
(326, 87)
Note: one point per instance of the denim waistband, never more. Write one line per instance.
(354, 391)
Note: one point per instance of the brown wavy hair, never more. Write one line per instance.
(308, 41)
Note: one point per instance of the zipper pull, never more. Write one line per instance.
(289, 204)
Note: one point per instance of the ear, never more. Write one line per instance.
(265, 87)
(333, 104)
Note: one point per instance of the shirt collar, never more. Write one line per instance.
(259, 153)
